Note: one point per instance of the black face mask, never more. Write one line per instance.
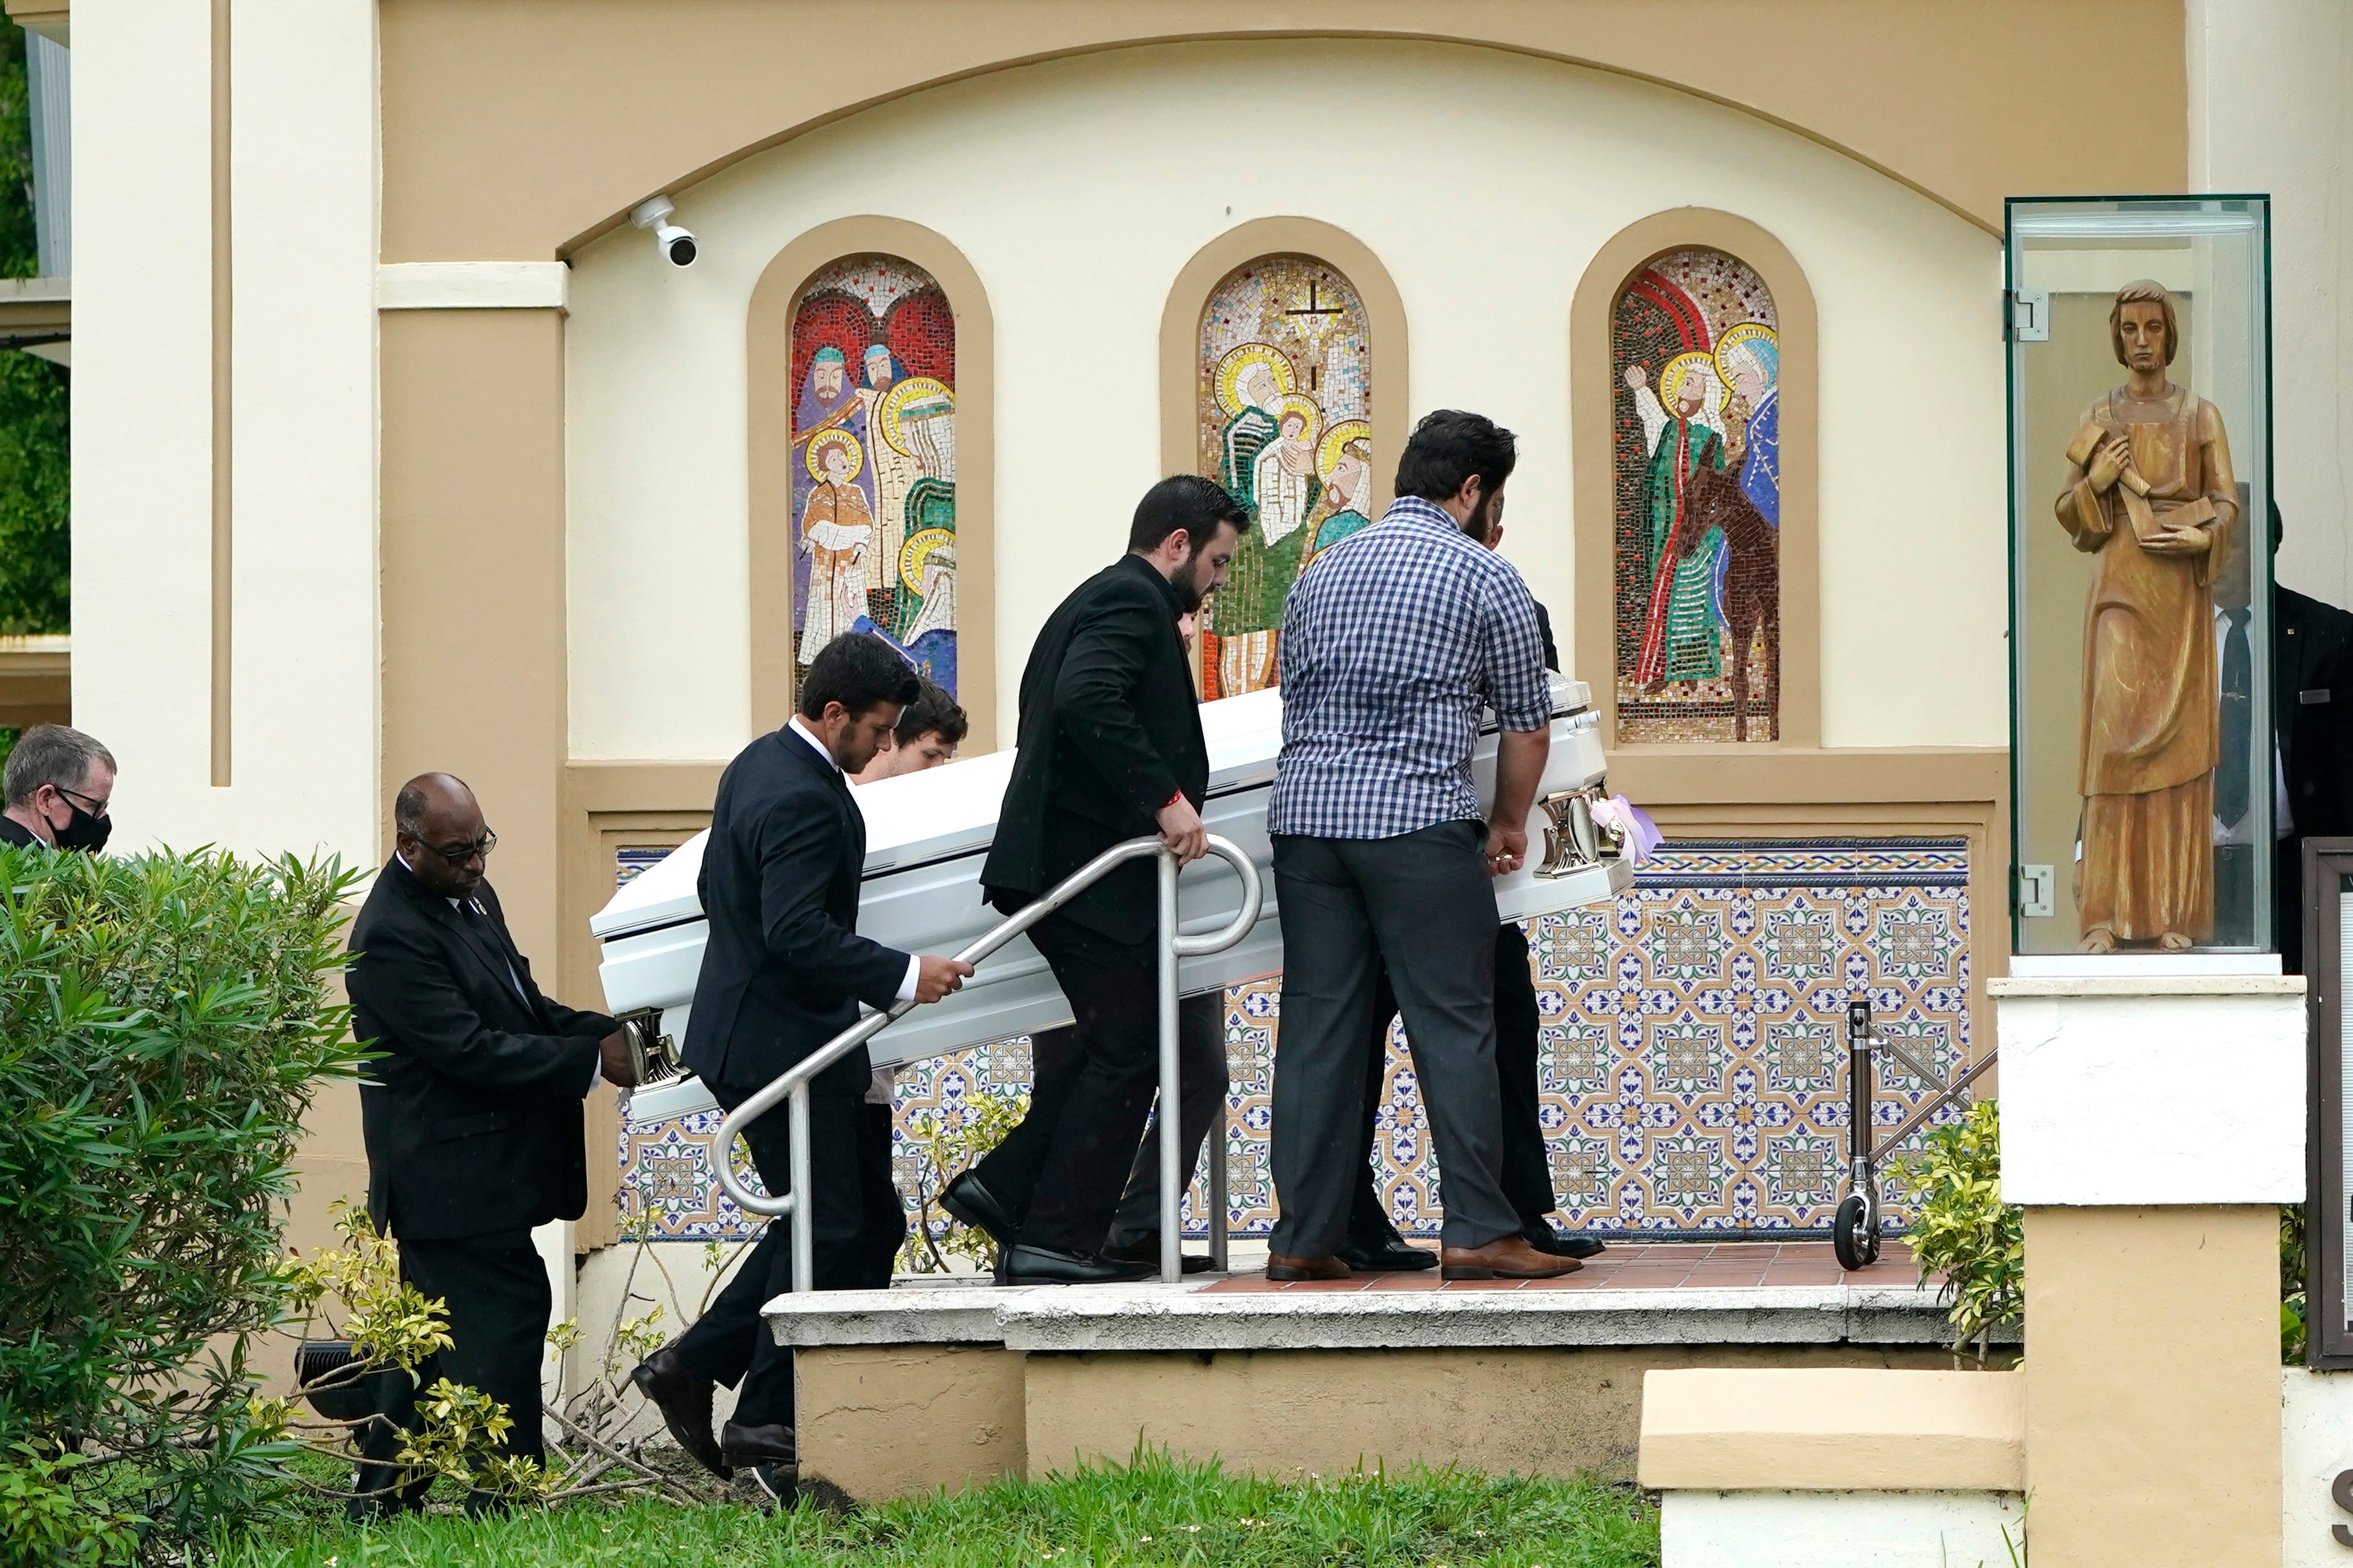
(84, 831)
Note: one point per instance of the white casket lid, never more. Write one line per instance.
(952, 809)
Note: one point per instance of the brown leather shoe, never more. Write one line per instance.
(1328, 1267)
(1505, 1258)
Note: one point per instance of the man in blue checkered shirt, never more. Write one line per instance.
(1392, 643)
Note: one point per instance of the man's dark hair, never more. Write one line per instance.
(51, 754)
(932, 712)
(856, 670)
(1449, 447)
(1187, 502)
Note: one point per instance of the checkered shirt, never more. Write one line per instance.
(1392, 642)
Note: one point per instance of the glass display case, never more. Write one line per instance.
(2144, 790)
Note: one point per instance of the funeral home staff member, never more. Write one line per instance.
(471, 1117)
(784, 970)
(1111, 749)
(1392, 642)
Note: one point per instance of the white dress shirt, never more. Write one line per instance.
(2282, 818)
(914, 961)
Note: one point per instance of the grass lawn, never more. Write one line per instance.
(1155, 1512)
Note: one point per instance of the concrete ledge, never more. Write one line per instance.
(1185, 1317)
(2145, 986)
(1834, 1429)
(1843, 1530)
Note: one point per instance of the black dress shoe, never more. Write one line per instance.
(977, 1206)
(1560, 1243)
(1390, 1257)
(779, 1483)
(1147, 1252)
(771, 1443)
(1047, 1265)
(684, 1401)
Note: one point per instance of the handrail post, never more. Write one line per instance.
(796, 1128)
(1172, 1195)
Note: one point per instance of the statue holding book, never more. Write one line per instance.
(2149, 493)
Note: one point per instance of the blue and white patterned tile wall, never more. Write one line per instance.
(1693, 1064)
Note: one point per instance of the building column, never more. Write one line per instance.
(2152, 1124)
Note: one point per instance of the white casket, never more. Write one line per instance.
(928, 833)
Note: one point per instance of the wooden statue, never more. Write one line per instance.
(2149, 493)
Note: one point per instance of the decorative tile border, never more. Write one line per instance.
(1694, 1065)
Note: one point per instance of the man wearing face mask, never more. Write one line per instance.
(57, 787)
(1111, 749)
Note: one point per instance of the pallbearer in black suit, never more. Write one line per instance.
(1111, 749)
(784, 971)
(472, 1117)
(2312, 744)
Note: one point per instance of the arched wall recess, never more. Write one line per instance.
(1269, 239)
(1595, 397)
(772, 395)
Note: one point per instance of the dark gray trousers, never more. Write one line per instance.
(1422, 904)
(1201, 1089)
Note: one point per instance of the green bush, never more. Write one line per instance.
(164, 1021)
(1962, 1233)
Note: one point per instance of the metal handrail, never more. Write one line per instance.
(795, 1081)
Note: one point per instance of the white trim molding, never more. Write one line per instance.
(471, 286)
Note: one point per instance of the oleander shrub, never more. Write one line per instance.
(165, 1020)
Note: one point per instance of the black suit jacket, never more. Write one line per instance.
(15, 832)
(784, 968)
(2311, 710)
(472, 1118)
(1111, 729)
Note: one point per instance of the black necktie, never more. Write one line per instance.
(2238, 719)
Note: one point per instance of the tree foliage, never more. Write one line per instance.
(165, 1020)
(34, 556)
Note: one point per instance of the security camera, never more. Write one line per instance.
(676, 244)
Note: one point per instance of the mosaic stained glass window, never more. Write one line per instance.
(1284, 422)
(873, 462)
(1696, 425)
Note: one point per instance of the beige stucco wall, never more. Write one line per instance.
(1528, 1412)
(880, 1421)
(2268, 113)
(1129, 163)
(302, 586)
(2125, 1467)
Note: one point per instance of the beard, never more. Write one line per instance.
(1190, 589)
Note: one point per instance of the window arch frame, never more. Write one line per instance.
(1592, 403)
(768, 422)
(1261, 240)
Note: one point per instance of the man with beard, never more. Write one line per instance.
(1392, 643)
(1109, 749)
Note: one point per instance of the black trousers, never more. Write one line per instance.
(1527, 1175)
(1423, 906)
(1201, 1089)
(860, 1226)
(495, 1287)
(1064, 1168)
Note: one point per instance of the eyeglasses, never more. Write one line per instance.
(459, 854)
(95, 808)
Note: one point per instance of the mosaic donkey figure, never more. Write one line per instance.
(1752, 584)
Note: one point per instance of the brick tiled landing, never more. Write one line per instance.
(1656, 1265)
